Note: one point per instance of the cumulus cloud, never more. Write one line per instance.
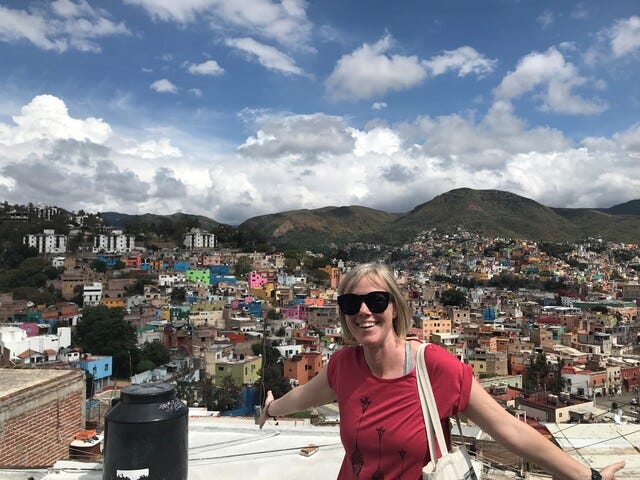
(163, 86)
(285, 21)
(464, 60)
(625, 36)
(379, 106)
(371, 71)
(46, 117)
(210, 67)
(154, 149)
(59, 26)
(303, 139)
(268, 56)
(554, 78)
(293, 161)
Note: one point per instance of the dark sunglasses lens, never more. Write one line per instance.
(349, 303)
(377, 302)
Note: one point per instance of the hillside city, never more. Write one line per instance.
(550, 330)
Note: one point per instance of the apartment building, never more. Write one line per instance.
(197, 239)
(47, 242)
(114, 242)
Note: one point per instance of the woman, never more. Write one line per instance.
(381, 423)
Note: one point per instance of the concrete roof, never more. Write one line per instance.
(231, 447)
(600, 444)
(223, 448)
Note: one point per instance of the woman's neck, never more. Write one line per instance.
(386, 361)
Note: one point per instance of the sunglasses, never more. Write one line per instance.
(376, 302)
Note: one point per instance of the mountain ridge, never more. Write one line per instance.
(492, 213)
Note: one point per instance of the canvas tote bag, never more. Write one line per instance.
(452, 465)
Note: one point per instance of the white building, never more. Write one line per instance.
(17, 342)
(198, 239)
(47, 242)
(92, 294)
(172, 280)
(114, 242)
(57, 262)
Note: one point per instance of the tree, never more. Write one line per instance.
(155, 352)
(144, 365)
(178, 294)
(453, 297)
(226, 397)
(537, 372)
(274, 314)
(243, 266)
(99, 266)
(272, 375)
(104, 331)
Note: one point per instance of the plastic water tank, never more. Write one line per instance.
(146, 435)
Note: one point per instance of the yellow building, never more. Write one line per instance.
(113, 302)
(243, 371)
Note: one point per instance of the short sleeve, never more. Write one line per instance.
(450, 379)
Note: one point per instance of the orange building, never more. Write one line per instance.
(303, 367)
(110, 302)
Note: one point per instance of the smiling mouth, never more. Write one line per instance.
(366, 324)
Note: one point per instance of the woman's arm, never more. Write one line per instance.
(316, 392)
(521, 439)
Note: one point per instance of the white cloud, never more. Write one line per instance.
(46, 118)
(282, 21)
(379, 106)
(546, 18)
(163, 86)
(293, 161)
(554, 78)
(65, 25)
(370, 71)
(268, 56)
(210, 67)
(625, 36)
(154, 149)
(465, 60)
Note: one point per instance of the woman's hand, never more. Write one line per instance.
(263, 415)
(609, 472)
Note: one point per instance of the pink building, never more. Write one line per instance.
(296, 311)
(258, 279)
(207, 260)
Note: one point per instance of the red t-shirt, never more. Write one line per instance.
(381, 424)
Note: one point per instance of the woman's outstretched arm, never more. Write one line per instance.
(521, 439)
(316, 392)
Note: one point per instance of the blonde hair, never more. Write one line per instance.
(380, 273)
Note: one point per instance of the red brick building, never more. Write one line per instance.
(40, 412)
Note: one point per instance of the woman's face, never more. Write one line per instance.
(371, 329)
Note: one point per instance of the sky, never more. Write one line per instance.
(238, 108)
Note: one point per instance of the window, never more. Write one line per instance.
(106, 367)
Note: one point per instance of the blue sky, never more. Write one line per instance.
(237, 108)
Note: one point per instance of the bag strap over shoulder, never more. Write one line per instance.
(429, 408)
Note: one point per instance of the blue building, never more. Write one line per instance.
(100, 367)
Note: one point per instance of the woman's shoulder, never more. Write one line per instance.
(347, 352)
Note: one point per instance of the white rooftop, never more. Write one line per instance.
(231, 447)
(601, 444)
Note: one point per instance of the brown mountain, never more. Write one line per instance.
(320, 227)
(491, 213)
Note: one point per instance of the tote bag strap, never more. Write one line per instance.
(429, 408)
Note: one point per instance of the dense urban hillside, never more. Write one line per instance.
(488, 212)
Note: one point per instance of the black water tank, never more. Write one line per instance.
(146, 435)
